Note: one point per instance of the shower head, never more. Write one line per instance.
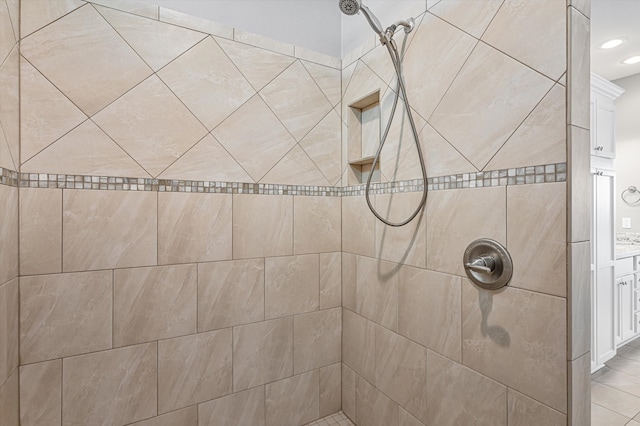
(351, 7)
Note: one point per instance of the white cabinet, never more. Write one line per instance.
(625, 329)
(603, 95)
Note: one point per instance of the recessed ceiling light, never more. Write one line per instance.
(613, 43)
(632, 60)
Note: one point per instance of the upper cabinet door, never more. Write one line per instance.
(604, 142)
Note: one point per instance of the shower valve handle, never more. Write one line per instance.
(482, 264)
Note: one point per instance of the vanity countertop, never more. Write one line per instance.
(627, 250)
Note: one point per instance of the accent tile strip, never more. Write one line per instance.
(507, 177)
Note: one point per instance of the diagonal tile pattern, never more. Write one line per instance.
(9, 106)
(76, 54)
(259, 66)
(324, 144)
(35, 14)
(7, 36)
(472, 17)
(492, 95)
(258, 147)
(296, 100)
(328, 79)
(296, 168)
(211, 92)
(156, 42)
(46, 114)
(151, 125)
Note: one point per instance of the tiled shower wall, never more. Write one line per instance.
(9, 155)
(161, 274)
(421, 344)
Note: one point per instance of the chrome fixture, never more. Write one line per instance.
(488, 264)
(631, 196)
(352, 7)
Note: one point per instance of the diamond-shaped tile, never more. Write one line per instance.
(151, 125)
(76, 53)
(472, 17)
(541, 139)
(254, 136)
(363, 82)
(6, 161)
(207, 161)
(14, 15)
(324, 144)
(136, 7)
(259, 66)
(433, 59)
(207, 82)
(488, 100)
(7, 36)
(296, 100)
(441, 159)
(10, 102)
(35, 14)
(296, 168)
(156, 42)
(534, 33)
(328, 79)
(86, 150)
(46, 113)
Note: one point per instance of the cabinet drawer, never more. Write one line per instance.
(625, 266)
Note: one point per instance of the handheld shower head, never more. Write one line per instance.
(351, 7)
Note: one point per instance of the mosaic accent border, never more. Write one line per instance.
(507, 177)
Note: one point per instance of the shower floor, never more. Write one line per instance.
(337, 419)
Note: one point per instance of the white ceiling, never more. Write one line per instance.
(614, 19)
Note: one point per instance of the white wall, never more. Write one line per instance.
(628, 148)
(313, 24)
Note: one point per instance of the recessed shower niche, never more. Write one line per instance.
(363, 138)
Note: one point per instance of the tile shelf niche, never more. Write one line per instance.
(364, 135)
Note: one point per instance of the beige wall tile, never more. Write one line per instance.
(363, 82)
(230, 293)
(317, 340)
(108, 229)
(240, 409)
(185, 417)
(349, 278)
(293, 401)
(317, 224)
(295, 168)
(540, 139)
(538, 247)
(41, 393)
(262, 226)
(584, 6)
(401, 371)
(259, 66)
(358, 224)
(429, 310)
(533, 33)
(154, 303)
(377, 291)
(441, 158)
(9, 401)
(292, 285)
(10, 108)
(9, 328)
(76, 54)
(296, 100)
(434, 39)
(40, 231)
(358, 344)
(579, 184)
(406, 419)
(330, 280)
(524, 411)
(328, 78)
(263, 42)
(580, 391)
(96, 389)
(323, 144)
(330, 389)
(131, 6)
(511, 92)
(85, 150)
(501, 325)
(579, 69)
(455, 218)
(405, 244)
(451, 386)
(46, 114)
(194, 369)
(348, 392)
(198, 24)
(156, 42)
(262, 353)
(64, 315)
(151, 124)
(579, 315)
(373, 408)
(317, 57)
(211, 93)
(194, 227)
(472, 17)
(8, 36)
(265, 131)
(8, 233)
